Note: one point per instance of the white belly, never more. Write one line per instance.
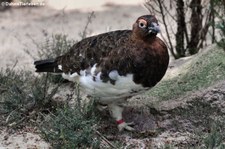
(124, 87)
(106, 91)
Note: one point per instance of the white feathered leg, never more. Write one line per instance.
(116, 112)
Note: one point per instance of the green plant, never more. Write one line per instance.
(22, 93)
(71, 128)
(23, 96)
(202, 72)
(26, 98)
(216, 137)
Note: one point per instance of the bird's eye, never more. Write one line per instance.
(142, 24)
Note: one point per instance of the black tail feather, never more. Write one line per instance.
(49, 65)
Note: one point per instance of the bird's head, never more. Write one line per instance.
(146, 26)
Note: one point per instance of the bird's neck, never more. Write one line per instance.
(139, 38)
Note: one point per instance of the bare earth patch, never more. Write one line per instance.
(22, 139)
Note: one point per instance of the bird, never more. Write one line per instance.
(114, 66)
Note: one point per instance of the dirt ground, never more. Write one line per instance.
(21, 27)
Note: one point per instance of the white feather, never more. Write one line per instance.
(105, 91)
(114, 75)
(71, 77)
(60, 67)
(93, 70)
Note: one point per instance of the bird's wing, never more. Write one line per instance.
(93, 50)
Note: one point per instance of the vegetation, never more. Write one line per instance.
(216, 136)
(23, 97)
(28, 99)
(68, 127)
(203, 72)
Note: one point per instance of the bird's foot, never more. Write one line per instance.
(122, 125)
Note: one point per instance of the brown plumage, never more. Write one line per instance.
(136, 59)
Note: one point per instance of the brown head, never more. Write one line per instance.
(146, 26)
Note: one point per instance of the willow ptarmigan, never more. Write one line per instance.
(116, 65)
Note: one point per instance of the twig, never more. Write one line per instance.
(23, 119)
(3, 89)
(45, 86)
(89, 20)
(78, 97)
(165, 25)
(106, 140)
(212, 5)
(7, 119)
(168, 12)
(204, 29)
(18, 122)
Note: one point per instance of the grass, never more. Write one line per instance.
(28, 99)
(70, 128)
(23, 97)
(203, 72)
(216, 136)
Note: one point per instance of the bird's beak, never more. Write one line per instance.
(153, 28)
(150, 30)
